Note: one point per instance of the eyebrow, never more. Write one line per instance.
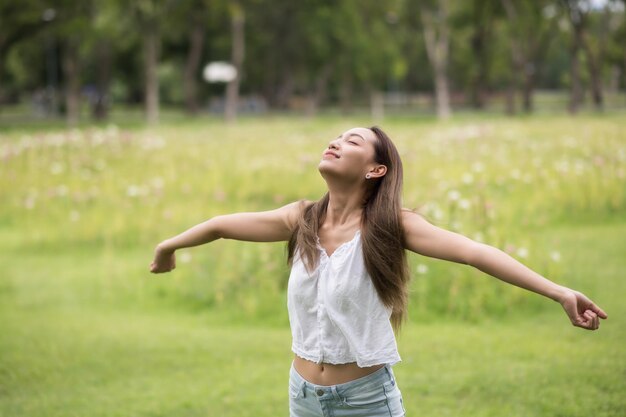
(353, 134)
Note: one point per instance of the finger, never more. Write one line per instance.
(592, 319)
(599, 311)
(582, 321)
(579, 321)
(590, 315)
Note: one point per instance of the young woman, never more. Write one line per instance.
(347, 291)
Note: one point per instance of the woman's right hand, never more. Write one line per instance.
(164, 260)
(581, 311)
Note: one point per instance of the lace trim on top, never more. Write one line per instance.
(341, 248)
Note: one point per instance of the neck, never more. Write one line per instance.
(343, 208)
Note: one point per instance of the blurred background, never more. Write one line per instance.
(123, 123)
(83, 60)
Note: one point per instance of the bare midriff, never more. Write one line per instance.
(330, 374)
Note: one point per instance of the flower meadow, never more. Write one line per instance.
(109, 194)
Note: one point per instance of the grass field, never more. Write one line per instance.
(87, 331)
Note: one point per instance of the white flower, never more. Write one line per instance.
(100, 165)
(562, 166)
(185, 257)
(29, 202)
(467, 178)
(62, 190)
(464, 204)
(522, 252)
(97, 138)
(157, 182)
(555, 256)
(478, 167)
(56, 168)
(112, 130)
(149, 143)
(132, 191)
(454, 195)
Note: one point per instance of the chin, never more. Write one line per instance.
(325, 170)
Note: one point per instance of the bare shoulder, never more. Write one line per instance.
(292, 211)
(412, 219)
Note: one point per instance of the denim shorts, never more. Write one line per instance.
(374, 395)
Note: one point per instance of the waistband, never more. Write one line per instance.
(375, 379)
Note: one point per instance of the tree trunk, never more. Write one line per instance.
(595, 58)
(479, 79)
(1, 78)
(72, 82)
(319, 91)
(436, 37)
(100, 103)
(523, 47)
(510, 99)
(377, 106)
(527, 89)
(596, 80)
(442, 93)
(283, 90)
(196, 42)
(345, 93)
(623, 56)
(151, 51)
(482, 29)
(576, 92)
(238, 45)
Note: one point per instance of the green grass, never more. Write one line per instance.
(85, 330)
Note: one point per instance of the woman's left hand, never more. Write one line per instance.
(581, 311)
(164, 260)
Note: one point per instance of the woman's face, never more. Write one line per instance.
(350, 155)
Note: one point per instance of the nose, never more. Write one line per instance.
(334, 144)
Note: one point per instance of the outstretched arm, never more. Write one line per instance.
(429, 240)
(265, 226)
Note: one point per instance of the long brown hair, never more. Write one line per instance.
(382, 233)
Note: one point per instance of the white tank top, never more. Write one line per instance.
(335, 313)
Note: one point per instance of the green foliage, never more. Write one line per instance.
(350, 47)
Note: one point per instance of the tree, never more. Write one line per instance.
(437, 39)
(591, 29)
(196, 42)
(480, 16)
(74, 33)
(20, 21)
(530, 31)
(237, 16)
(149, 15)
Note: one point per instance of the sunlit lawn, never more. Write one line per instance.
(85, 330)
(61, 356)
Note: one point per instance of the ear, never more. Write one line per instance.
(378, 171)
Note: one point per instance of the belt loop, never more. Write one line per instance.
(389, 372)
(303, 389)
(336, 396)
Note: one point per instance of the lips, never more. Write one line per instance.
(328, 153)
